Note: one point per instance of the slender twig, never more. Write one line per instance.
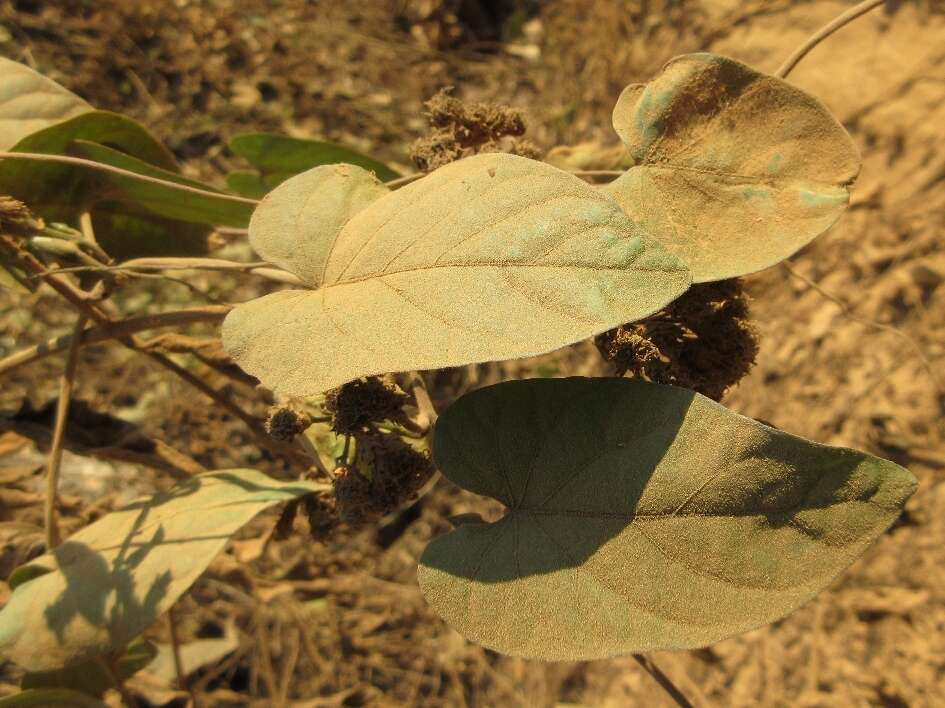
(66, 384)
(91, 164)
(98, 313)
(824, 32)
(109, 666)
(175, 650)
(261, 269)
(115, 330)
(663, 680)
(849, 313)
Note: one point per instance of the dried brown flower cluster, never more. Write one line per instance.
(703, 341)
(460, 130)
(357, 405)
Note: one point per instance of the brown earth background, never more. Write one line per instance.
(852, 341)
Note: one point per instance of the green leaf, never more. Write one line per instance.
(113, 578)
(50, 698)
(279, 157)
(127, 231)
(59, 192)
(160, 200)
(90, 677)
(491, 257)
(734, 170)
(640, 517)
(247, 184)
(30, 102)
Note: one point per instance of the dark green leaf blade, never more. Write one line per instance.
(282, 157)
(112, 579)
(59, 192)
(160, 200)
(641, 517)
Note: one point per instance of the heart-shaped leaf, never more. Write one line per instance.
(734, 170)
(112, 579)
(640, 517)
(279, 157)
(491, 257)
(30, 102)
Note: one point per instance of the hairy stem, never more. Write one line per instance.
(115, 330)
(80, 162)
(175, 650)
(663, 680)
(260, 268)
(820, 35)
(66, 384)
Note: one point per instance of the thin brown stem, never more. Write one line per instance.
(261, 269)
(97, 311)
(66, 384)
(820, 35)
(109, 665)
(115, 330)
(175, 650)
(663, 680)
(91, 164)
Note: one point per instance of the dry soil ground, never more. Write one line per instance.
(853, 331)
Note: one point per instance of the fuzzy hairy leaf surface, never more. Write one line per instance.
(491, 257)
(734, 170)
(640, 517)
(30, 102)
(112, 579)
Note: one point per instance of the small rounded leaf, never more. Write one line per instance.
(734, 170)
(297, 223)
(640, 517)
(491, 257)
(112, 579)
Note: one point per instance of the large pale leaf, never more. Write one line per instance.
(113, 578)
(279, 157)
(30, 102)
(491, 257)
(640, 517)
(734, 170)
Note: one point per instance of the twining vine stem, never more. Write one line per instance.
(116, 329)
(820, 35)
(663, 680)
(66, 384)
